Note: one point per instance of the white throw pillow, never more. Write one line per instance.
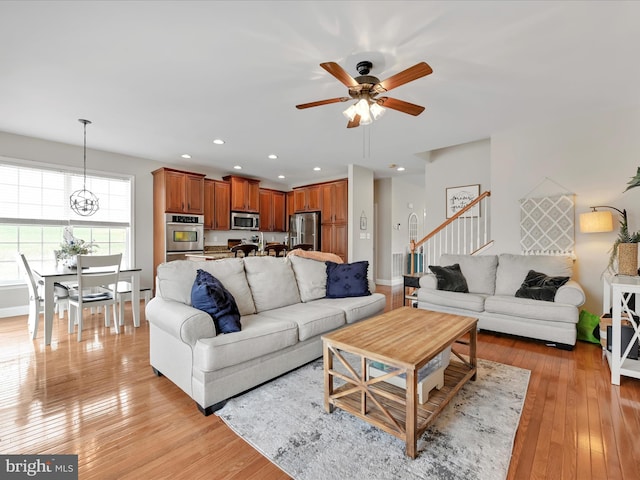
(311, 276)
(272, 282)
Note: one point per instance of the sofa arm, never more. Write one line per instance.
(429, 281)
(570, 293)
(180, 320)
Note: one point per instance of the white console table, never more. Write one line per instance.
(617, 291)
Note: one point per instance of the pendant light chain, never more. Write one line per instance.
(83, 202)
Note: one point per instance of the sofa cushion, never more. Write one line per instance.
(312, 320)
(356, 308)
(478, 270)
(230, 271)
(272, 282)
(450, 278)
(539, 286)
(527, 308)
(209, 295)
(259, 336)
(311, 277)
(468, 301)
(512, 269)
(347, 279)
(571, 293)
(174, 280)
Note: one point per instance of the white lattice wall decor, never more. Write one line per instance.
(547, 225)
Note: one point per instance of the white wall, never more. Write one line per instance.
(592, 156)
(361, 203)
(396, 198)
(466, 164)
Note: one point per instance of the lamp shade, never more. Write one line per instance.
(594, 222)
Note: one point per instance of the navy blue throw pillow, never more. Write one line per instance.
(209, 295)
(347, 279)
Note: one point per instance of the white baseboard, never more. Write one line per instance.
(14, 311)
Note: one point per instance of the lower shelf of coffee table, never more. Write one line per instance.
(393, 399)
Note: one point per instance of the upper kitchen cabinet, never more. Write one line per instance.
(306, 199)
(217, 211)
(176, 191)
(245, 194)
(334, 202)
(272, 210)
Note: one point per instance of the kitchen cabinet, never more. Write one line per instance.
(217, 211)
(272, 210)
(177, 191)
(334, 239)
(245, 194)
(290, 210)
(306, 199)
(334, 202)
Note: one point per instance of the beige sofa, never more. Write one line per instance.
(493, 281)
(283, 310)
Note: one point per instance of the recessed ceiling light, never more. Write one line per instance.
(317, 169)
(273, 156)
(185, 155)
(217, 141)
(237, 167)
(281, 176)
(400, 169)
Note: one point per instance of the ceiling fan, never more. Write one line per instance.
(366, 88)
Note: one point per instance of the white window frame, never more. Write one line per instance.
(79, 223)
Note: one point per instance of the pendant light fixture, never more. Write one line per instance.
(83, 202)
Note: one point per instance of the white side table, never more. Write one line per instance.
(622, 285)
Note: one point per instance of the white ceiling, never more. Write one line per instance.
(159, 79)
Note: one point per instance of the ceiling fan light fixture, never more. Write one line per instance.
(362, 109)
(350, 113)
(377, 111)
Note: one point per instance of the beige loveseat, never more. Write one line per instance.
(492, 283)
(283, 310)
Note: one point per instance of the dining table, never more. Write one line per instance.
(50, 275)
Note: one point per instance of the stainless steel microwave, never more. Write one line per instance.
(245, 221)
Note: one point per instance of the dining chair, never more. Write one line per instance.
(304, 246)
(36, 300)
(96, 288)
(245, 248)
(277, 248)
(124, 295)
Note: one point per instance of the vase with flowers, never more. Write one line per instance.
(71, 247)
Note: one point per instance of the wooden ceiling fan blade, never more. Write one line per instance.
(337, 71)
(419, 70)
(323, 102)
(400, 105)
(355, 122)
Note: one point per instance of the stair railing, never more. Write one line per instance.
(460, 234)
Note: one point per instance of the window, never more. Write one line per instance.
(34, 209)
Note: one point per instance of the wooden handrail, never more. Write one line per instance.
(444, 224)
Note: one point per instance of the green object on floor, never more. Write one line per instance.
(588, 327)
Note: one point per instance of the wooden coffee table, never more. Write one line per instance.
(405, 338)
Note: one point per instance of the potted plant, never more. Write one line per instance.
(625, 248)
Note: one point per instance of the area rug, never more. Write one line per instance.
(471, 439)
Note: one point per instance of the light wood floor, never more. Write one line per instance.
(100, 400)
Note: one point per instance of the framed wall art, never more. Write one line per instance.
(459, 197)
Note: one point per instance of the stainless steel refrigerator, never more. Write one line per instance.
(304, 228)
